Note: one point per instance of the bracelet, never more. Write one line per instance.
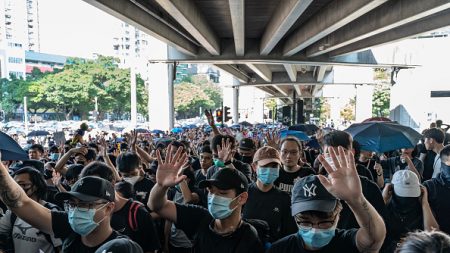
(227, 162)
(379, 175)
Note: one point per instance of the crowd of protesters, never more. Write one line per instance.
(226, 190)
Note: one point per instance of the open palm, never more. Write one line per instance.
(343, 181)
(169, 172)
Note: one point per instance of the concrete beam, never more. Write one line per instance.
(321, 73)
(281, 90)
(291, 70)
(298, 90)
(388, 16)
(192, 19)
(283, 18)
(424, 25)
(136, 16)
(234, 71)
(332, 17)
(237, 11)
(261, 70)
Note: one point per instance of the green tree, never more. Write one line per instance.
(348, 112)
(380, 100)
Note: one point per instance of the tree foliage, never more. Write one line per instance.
(348, 112)
(72, 90)
(190, 97)
(380, 101)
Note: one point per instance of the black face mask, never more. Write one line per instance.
(247, 159)
(405, 205)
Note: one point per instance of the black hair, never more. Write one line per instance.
(91, 154)
(93, 145)
(425, 242)
(178, 144)
(337, 138)
(126, 162)
(445, 154)
(125, 189)
(73, 171)
(439, 123)
(206, 149)
(357, 148)
(37, 179)
(53, 149)
(217, 140)
(38, 147)
(98, 169)
(436, 134)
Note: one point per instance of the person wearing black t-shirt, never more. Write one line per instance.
(128, 166)
(407, 208)
(218, 229)
(266, 202)
(365, 159)
(85, 225)
(316, 209)
(219, 161)
(291, 171)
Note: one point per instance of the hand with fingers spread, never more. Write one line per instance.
(273, 139)
(225, 150)
(81, 150)
(343, 181)
(169, 172)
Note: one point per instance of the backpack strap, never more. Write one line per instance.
(132, 215)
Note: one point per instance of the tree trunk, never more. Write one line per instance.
(69, 113)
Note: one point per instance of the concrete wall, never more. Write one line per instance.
(411, 103)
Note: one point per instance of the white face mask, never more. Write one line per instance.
(132, 180)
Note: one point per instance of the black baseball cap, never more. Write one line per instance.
(247, 144)
(309, 194)
(120, 245)
(89, 189)
(36, 164)
(226, 179)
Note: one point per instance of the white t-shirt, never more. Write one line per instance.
(437, 164)
(26, 238)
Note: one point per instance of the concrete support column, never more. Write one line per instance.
(364, 94)
(170, 93)
(294, 109)
(160, 107)
(235, 107)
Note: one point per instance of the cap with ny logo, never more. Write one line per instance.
(309, 194)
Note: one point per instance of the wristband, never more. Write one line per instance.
(227, 162)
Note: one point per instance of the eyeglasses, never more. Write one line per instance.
(307, 225)
(81, 206)
(287, 152)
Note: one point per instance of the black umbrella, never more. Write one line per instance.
(383, 136)
(142, 131)
(246, 124)
(307, 128)
(10, 149)
(38, 133)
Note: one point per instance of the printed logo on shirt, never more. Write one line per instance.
(309, 191)
(23, 229)
(286, 187)
(24, 238)
(142, 195)
(276, 210)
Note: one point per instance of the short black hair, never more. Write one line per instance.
(178, 144)
(126, 162)
(206, 149)
(37, 179)
(436, 134)
(425, 242)
(125, 189)
(38, 147)
(217, 140)
(439, 123)
(445, 154)
(337, 138)
(73, 171)
(98, 169)
(53, 149)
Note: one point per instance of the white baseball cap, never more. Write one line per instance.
(406, 184)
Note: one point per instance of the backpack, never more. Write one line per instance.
(132, 215)
(10, 245)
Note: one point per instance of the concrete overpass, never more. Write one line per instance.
(283, 47)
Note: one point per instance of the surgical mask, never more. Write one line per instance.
(219, 207)
(267, 175)
(316, 238)
(54, 156)
(132, 180)
(219, 163)
(247, 159)
(82, 222)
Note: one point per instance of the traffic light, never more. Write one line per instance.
(219, 114)
(226, 113)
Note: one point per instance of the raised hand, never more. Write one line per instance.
(343, 180)
(224, 151)
(80, 150)
(170, 172)
(209, 117)
(273, 139)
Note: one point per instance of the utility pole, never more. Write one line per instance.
(25, 114)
